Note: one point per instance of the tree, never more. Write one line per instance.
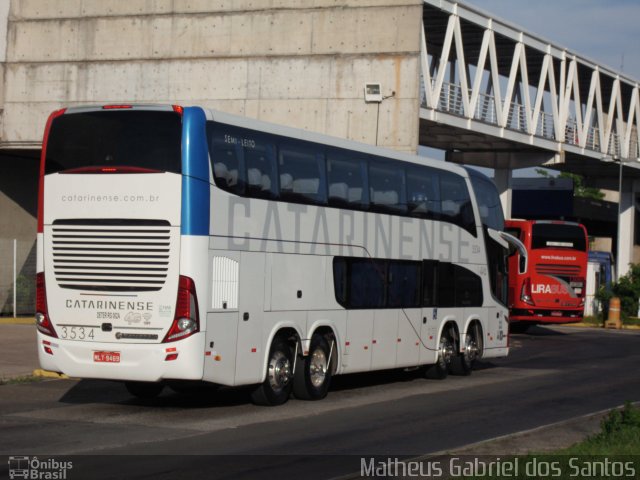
(579, 189)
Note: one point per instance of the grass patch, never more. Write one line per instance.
(619, 435)
(20, 380)
(614, 452)
(595, 320)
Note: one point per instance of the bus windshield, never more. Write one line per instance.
(139, 139)
(551, 235)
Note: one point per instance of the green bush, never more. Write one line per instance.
(627, 289)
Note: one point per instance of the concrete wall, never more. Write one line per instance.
(296, 62)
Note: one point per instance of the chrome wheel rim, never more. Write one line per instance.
(279, 371)
(471, 348)
(318, 367)
(445, 352)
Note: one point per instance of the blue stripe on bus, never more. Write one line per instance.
(195, 173)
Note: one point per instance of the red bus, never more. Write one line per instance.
(551, 286)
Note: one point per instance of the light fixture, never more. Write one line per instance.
(373, 92)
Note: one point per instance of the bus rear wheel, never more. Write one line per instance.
(145, 390)
(276, 388)
(446, 351)
(313, 372)
(462, 363)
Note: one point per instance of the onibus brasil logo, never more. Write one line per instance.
(32, 468)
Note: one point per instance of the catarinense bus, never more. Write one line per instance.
(185, 244)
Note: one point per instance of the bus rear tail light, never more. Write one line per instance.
(185, 321)
(525, 294)
(43, 323)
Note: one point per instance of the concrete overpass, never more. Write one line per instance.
(496, 96)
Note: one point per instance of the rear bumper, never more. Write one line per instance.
(138, 362)
(545, 316)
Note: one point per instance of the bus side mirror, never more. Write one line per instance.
(522, 250)
(507, 240)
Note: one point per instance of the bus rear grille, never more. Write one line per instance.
(562, 270)
(111, 255)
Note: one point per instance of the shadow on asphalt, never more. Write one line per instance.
(539, 331)
(208, 395)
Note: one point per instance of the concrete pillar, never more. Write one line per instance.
(502, 178)
(626, 221)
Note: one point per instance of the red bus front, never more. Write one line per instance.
(553, 287)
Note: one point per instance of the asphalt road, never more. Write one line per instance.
(551, 375)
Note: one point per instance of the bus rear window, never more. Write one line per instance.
(140, 139)
(554, 235)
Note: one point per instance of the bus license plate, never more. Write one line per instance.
(106, 357)
(556, 314)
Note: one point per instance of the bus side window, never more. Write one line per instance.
(468, 288)
(446, 285)
(456, 203)
(404, 284)
(429, 283)
(423, 192)
(366, 283)
(340, 280)
(301, 170)
(260, 163)
(345, 178)
(387, 187)
(226, 162)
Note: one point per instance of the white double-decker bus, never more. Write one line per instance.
(184, 244)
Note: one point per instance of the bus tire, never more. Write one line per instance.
(145, 390)
(276, 388)
(462, 363)
(446, 350)
(313, 373)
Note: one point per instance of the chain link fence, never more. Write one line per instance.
(17, 277)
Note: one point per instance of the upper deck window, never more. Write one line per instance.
(257, 164)
(115, 138)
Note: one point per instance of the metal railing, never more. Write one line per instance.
(450, 101)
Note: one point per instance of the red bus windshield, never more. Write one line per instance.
(136, 140)
(554, 235)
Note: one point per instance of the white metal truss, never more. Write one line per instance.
(553, 109)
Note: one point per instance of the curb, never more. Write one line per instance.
(597, 327)
(17, 321)
(38, 372)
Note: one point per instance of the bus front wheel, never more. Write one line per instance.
(276, 388)
(313, 372)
